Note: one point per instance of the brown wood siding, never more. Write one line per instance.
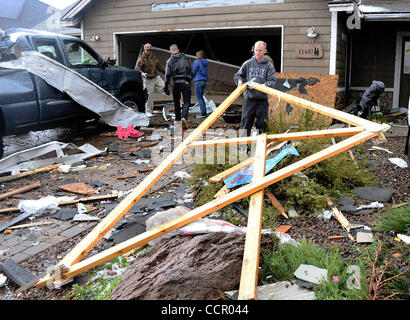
(105, 17)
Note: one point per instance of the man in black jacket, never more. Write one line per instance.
(179, 69)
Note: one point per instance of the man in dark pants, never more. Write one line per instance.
(179, 69)
(255, 103)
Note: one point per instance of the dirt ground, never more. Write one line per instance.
(116, 163)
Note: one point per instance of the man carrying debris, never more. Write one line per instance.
(149, 65)
(255, 103)
(179, 69)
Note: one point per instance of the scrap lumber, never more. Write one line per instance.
(73, 259)
(250, 263)
(330, 112)
(277, 204)
(85, 245)
(28, 173)
(208, 208)
(77, 187)
(20, 190)
(283, 228)
(28, 225)
(341, 218)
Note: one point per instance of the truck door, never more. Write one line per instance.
(86, 61)
(54, 104)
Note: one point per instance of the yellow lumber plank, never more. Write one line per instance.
(304, 135)
(250, 262)
(86, 244)
(330, 112)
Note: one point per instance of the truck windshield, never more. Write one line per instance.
(78, 54)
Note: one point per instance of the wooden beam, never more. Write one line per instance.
(277, 204)
(20, 190)
(87, 243)
(28, 173)
(224, 190)
(27, 225)
(250, 262)
(330, 112)
(341, 132)
(341, 218)
(212, 206)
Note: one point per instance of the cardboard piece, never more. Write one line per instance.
(313, 87)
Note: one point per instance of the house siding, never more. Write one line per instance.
(106, 17)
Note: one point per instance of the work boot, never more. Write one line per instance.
(184, 124)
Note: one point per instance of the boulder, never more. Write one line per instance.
(187, 268)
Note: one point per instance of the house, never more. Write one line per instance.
(33, 14)
(360, 41)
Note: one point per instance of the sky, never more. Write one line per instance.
(59, 4)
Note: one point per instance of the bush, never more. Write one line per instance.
(396, 220)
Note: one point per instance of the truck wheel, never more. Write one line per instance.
(133, 100)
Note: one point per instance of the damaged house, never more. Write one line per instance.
(360, 41)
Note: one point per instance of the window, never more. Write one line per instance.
(78, 54)
(48, 47)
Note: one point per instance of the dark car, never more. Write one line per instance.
(28, 103)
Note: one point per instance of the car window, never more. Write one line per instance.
(48, 47)
(78, 54)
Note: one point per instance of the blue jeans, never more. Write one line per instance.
(199, 94)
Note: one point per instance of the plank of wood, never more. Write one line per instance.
(341, 218)
(217, 204)
(28, 173)
(335, 237)
(85, 245)
(277, 204)
(20, 190)
(330, 112)
(250, 262)
(28, 225)
(305, 135)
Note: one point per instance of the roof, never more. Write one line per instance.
(22, 13)
(374, 9)
(32, 14)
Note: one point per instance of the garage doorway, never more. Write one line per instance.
(232, 46)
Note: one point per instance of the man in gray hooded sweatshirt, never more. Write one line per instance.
(255, 103)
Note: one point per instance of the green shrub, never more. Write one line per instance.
(396, 220)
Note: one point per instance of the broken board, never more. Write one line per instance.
(317, 88)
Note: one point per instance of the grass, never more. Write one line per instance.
(283, 260)
(99, 286)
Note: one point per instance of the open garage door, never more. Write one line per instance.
(226, 50)
(232, 46)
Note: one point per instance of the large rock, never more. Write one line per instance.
(187, 268)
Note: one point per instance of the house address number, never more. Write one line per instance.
(308, 51)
